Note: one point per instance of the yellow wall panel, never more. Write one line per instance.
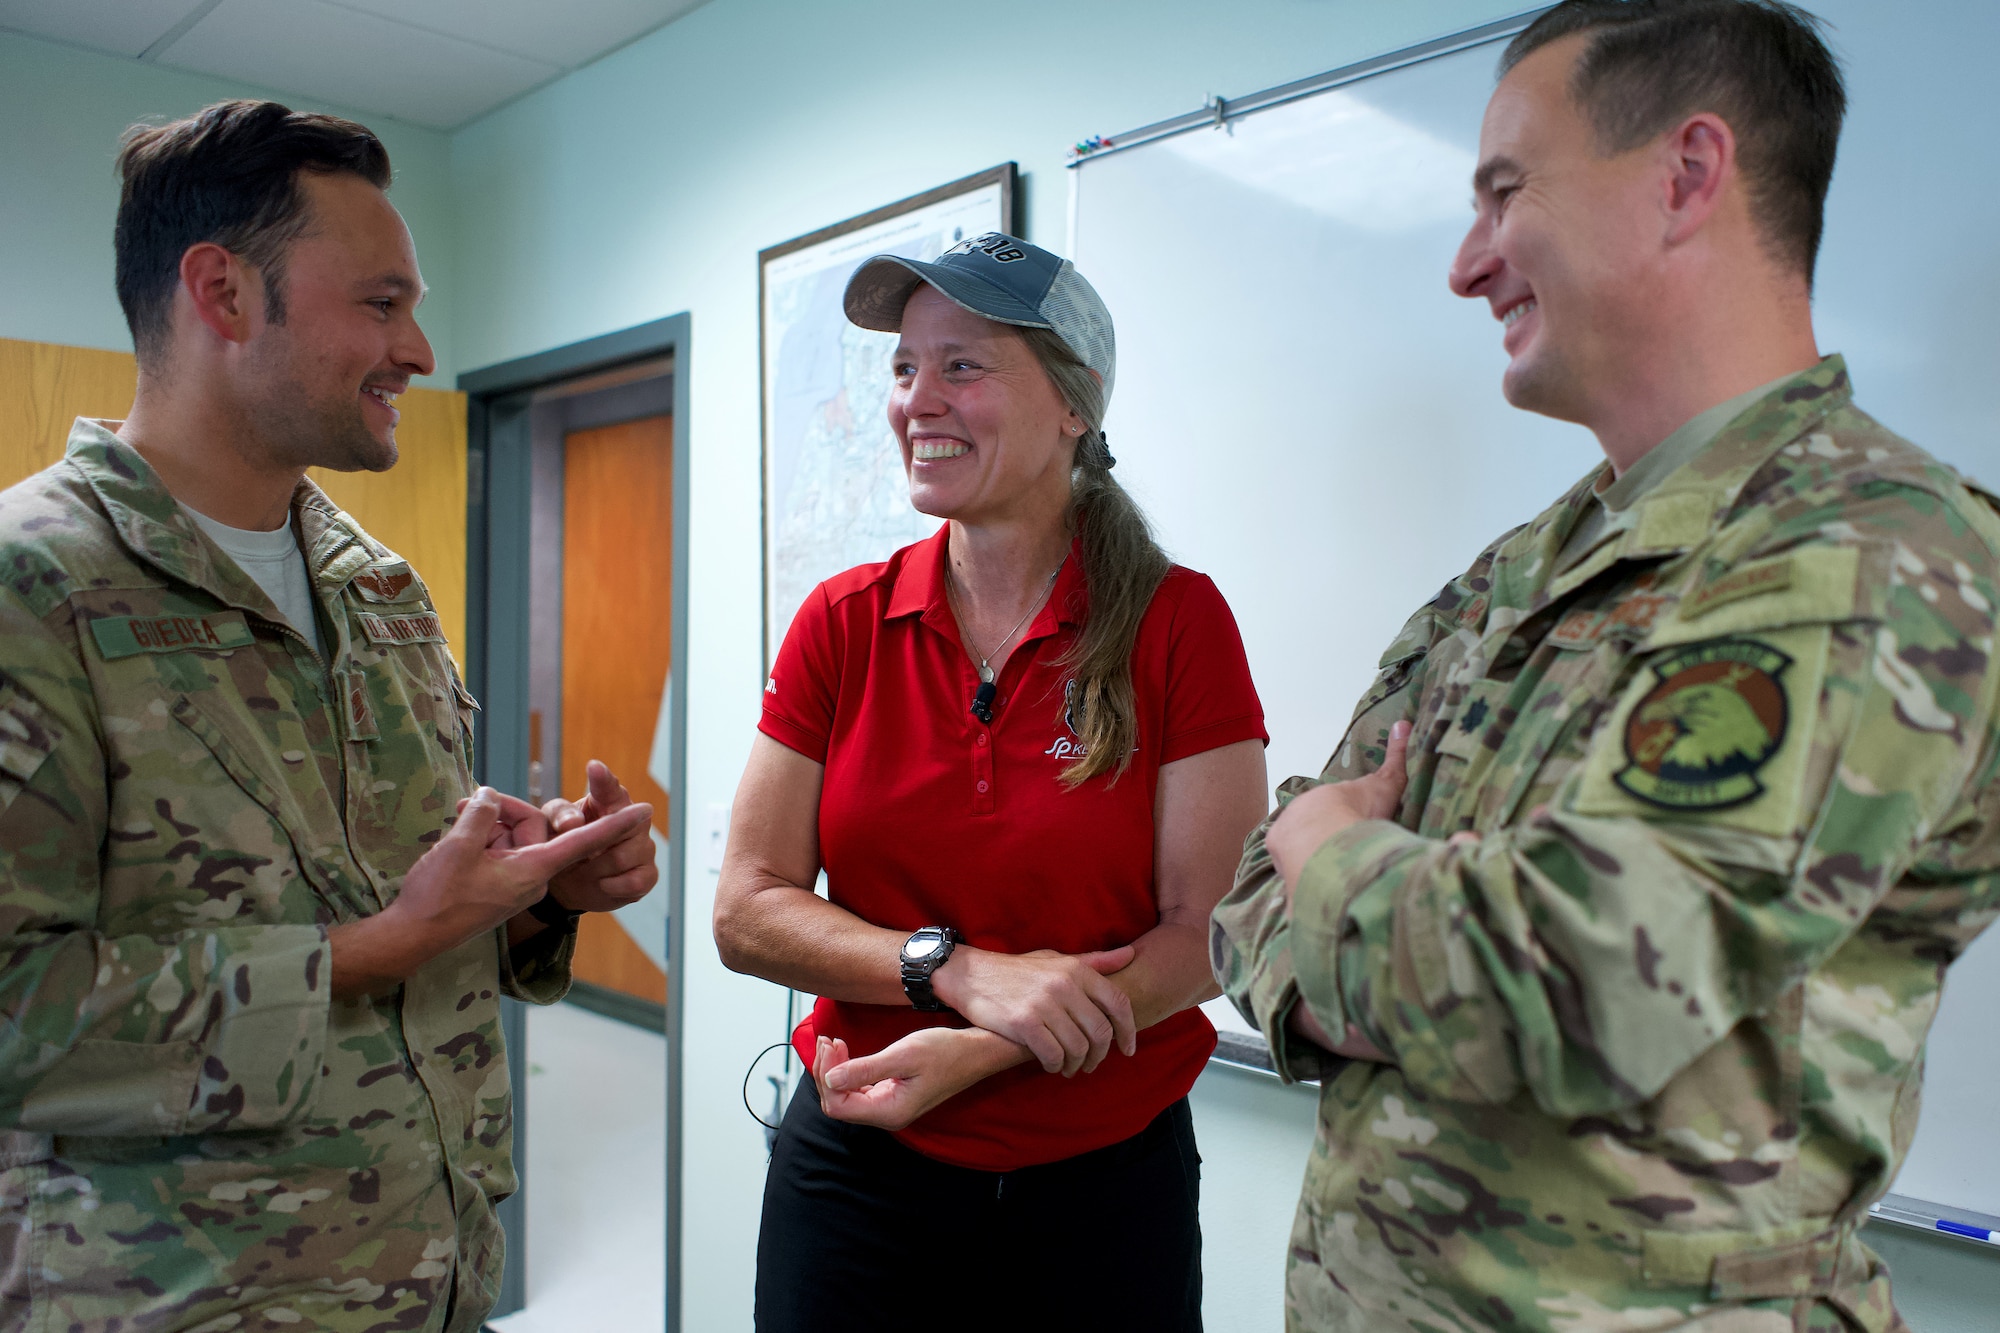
(45, 387)
(416, 509)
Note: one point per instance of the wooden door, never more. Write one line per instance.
(617, 643)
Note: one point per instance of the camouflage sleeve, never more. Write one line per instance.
(177, 1033)
(538, 971)
(1595, 947)
(1250, 932)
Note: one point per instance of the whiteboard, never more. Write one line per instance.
(1313, 419)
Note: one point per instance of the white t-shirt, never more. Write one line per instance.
(274, 561)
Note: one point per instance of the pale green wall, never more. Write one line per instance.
(61, 113)
(645, 184)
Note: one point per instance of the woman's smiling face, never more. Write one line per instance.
(984, 433)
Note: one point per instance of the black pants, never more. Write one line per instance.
(862, 1233)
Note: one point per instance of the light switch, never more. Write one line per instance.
(714, 837)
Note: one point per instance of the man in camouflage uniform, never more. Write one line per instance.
(1629, 892)
(251, 1071)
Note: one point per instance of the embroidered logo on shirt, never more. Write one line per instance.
(1063, 747)
(1699, 737)
(385, 583)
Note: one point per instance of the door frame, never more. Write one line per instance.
(497, 493)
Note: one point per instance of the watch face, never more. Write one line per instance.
(923, 947)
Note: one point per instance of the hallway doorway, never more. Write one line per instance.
(600, 614)
(577, 629)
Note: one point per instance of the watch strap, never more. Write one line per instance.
(917, 972)
(550, 912)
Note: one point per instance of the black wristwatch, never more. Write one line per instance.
(549, 912)
(923, 954)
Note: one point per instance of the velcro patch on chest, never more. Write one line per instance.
(360, 713)
(1632, 618)
(128, 636)
(390, 631)
(1478, 721)
(1766, 576)
(393, 581)
(1716, 716)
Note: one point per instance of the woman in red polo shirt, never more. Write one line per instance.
(1026, 753)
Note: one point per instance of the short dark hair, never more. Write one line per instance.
(229, 174)
(1762, 65)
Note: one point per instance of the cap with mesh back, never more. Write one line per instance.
(999, 277)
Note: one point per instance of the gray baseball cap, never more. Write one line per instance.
(999, 277)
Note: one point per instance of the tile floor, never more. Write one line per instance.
(596, 1163)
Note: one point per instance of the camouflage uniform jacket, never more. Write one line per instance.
(193, 1134)
(1657, 1036)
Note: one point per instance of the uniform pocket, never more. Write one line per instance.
(27, 738)
(275, 799)
(116, 1088)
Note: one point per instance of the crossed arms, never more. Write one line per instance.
(1065, 1011)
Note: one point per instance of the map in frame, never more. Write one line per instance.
(834, 491)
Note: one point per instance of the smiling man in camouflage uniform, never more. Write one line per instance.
(1629, 893)
(251, 1072)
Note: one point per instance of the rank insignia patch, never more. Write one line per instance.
(1699, 737)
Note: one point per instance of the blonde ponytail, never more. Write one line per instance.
(1122, 569)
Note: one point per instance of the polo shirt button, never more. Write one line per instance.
(982, 784)
(982, 738)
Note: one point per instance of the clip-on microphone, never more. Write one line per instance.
(982, 702)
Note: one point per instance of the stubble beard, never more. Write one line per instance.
(308, 431)
(1544, 384)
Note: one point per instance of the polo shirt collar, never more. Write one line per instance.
(1069, 602)
(919, 590)
(919, 587)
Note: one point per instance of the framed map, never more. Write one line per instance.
(834, 491)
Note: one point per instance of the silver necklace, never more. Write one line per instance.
(951, 590)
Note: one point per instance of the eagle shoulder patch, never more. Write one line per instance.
(1715, 716)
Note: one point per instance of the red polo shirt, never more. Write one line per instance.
(930, 817)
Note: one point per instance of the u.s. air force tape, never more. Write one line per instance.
(392, 630)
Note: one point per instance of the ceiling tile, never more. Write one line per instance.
(354, 59)
(122, 27)
(571, 33)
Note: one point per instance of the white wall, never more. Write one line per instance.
(644, 185)
(63, 111)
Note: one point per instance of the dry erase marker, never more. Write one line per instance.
(1969, 1232)
(1889, 1212)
